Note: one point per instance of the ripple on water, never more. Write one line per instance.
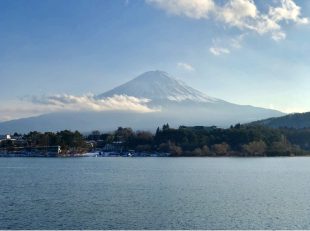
(155, 193)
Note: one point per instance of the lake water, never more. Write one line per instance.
(155, 193)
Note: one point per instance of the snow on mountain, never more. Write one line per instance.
(174, 102)
(158, 85)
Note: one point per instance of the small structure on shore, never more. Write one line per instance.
(116, 146)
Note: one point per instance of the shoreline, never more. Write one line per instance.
(176, 157)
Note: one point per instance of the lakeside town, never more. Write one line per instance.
(17, 145)
(238, 140)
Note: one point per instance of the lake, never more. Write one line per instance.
(155, 193)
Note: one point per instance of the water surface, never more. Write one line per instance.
(155, 193)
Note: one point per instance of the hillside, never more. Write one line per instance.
(296, 120)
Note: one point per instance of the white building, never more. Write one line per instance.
(5, 137)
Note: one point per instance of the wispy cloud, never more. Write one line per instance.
(186, 66)
(196, 9)
(236, 42)
(241, 14)
(37, 105)
(225, 45)
(278, 36)
(219, 50)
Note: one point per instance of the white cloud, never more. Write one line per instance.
(241, 14)
(287, 11)
(186, 66)
(244, 15)
(32, 106)
(89, 102)
(190, 8)
(219, 50)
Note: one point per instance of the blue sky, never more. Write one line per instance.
(75, 47)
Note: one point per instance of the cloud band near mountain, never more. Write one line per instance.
(36, 105)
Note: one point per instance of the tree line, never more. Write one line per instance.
(238, 140)
(70, 142)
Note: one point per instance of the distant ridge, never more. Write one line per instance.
(296, 120)
(177, 104)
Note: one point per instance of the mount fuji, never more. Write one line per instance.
(170, 100)
(159, 87)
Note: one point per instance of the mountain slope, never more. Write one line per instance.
(296, 120)
(157, 86)
(176, 104)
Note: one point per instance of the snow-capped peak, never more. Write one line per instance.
(158, 85)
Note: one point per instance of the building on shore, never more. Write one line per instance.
(117, 146)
